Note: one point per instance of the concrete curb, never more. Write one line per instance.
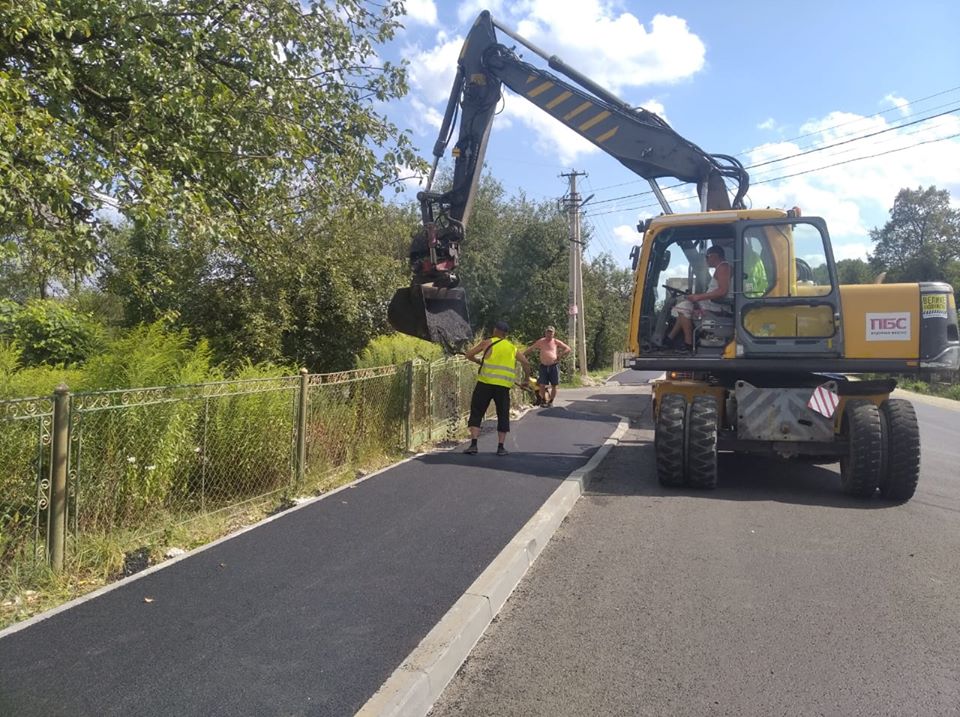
(420, 679)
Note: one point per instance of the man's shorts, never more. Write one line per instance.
(483, 393)
(549, 375)
(686, 308)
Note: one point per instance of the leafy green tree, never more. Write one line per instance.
(315, 299)
(514, 262)
(37, 263)
(607, 289)
(227, 120)
(923, 233)
(49, 332)
(854, 271)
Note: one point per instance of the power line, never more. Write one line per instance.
(818, 132)
(799, 154)
(787, 158)
(787, 176)
(857, 159)
(854, 139)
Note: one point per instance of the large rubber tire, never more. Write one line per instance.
(702, 443)
(860, 468)
(669, 440)
(901, 470)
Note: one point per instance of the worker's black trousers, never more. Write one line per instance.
(483, 393)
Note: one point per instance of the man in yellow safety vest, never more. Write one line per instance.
(498, 372)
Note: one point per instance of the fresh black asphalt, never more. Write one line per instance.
(307, 614)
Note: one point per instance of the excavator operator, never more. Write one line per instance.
(720, 287)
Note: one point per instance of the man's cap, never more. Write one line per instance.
(502, 326)
(550, 328)
(715, 249)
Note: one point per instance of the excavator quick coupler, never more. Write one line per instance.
(432, 314)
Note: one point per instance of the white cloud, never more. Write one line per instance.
(410, 179)
(769, 124)
(900, 103)
(851, 250)
(547, 136)
(616, 50)
(626, 234)
(468, 11)
(425, 119)
(432, 71)
(421, 11)
(853, 179)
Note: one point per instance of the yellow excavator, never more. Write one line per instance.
(769, 364)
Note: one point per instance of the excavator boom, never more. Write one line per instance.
(433, 307)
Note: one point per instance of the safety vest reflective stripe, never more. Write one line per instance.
(495, 370)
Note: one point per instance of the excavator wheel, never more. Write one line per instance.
(901, 470)
(702, 443)
(860, 468)
(669, 440)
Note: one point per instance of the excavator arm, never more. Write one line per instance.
(434, 306)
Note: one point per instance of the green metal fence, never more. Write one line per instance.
(26, 427)
(77, 467)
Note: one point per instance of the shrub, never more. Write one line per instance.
(393, 349)
(150, 355)
(49, 332)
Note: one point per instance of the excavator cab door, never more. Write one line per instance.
(787, 293)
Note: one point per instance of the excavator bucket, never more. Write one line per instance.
(432, 314)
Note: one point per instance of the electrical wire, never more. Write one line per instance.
(765, 180)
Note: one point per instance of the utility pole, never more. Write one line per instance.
(576, 331)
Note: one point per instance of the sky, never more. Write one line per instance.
(868, 92)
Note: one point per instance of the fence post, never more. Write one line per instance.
(301, 462)
(408, 406)
(57, 512)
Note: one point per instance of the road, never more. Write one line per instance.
(773, 595)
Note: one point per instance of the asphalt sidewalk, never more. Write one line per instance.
(312, 611)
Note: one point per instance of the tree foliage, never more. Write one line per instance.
(854, 271)
(921, 241)
(514, 263)
(315, 300)
(607, 289)
(227, 119)
(48, 332)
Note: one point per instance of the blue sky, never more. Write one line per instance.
(760, 80)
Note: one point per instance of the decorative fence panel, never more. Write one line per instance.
(25, 436)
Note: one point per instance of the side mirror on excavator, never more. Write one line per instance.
(432, 314)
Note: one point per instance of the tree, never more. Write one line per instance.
(607, 289)
(226, 120)
(854, 271)
(921, 238)
(316, 300)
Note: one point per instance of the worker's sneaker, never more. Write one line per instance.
(471, 450)
(501, 451)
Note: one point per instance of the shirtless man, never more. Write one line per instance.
(551, 351)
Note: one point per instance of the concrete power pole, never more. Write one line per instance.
(581, 311)
(576, 328)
